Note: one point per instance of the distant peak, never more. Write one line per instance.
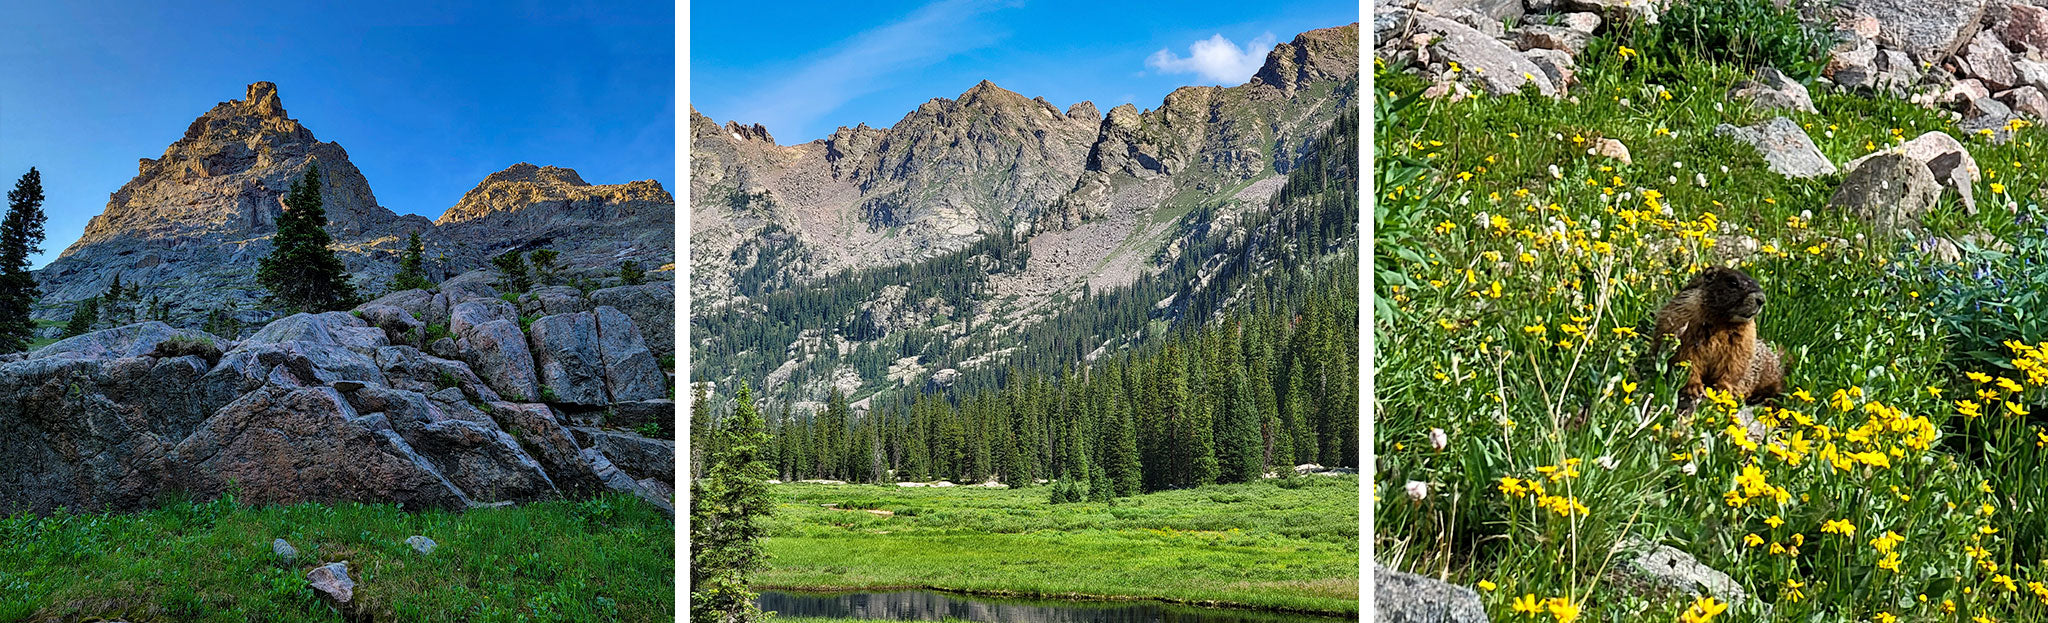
(748, 132)
(262, 100)
(525, 172)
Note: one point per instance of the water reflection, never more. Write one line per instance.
(935, 606)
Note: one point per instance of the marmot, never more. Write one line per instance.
(1714, 319)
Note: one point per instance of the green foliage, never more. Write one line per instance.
(513, 277)
(301, 272)
(21, 233)
(728, 509)
(1990, 298)
(1745, 33)
(547, 395)
(83, 317)
(607, 559)
(437, 331)
(630, 273)
(545, 271)
(1294, 549)
(445, 380)
(412, 271)
(222, 322)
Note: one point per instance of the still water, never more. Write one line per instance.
(935, 606)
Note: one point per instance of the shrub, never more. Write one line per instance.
(1748, 33)
(1992, 297)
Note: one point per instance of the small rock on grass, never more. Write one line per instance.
(1409, 598)
(283, 549)
(422, 544)
(331, 581)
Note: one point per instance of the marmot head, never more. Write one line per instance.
(1728, 295)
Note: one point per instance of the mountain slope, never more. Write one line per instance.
(879, 259)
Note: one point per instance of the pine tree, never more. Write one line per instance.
(545, 272)
(630, 273)
(700, 430)
(301, 272)
(83, 317)
(412, 270)
(1241, 450)
(512, 274)
(20, 234)
(728, 508)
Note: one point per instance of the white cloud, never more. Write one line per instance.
(1215, 59)
(864, 63)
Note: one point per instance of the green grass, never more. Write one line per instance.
(1253, 545)
(1510, 335)
(605, 559)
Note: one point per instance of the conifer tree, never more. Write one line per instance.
(545, 272)
(512, 274)
(728, 510)
(20, 234)
(412, 270)
(630, 273)
(83, 317)
(301, 272)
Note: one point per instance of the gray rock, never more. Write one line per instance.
(1669, 568)
(2024, 25)
(399, 325)
(1930, 29)
(283, 549)
(551, 300)
(421, 304)
(1989, 116)
(652, 307)
(421, 544)
(540, 431)
(630, 370)
(2027, 100)
(135, 340)
(282, 446)
(1408, 598)
(1484, 61)
(568, 357)
(639, 456)
(2031, 73)
(1946, 159)
(332, 582)
(497, 351)
(330, 329)
(1621, 10)
(1557, 66)
(1498, 10)
(409, 369)
(1890, 191)
(1783, 145)
(632, 415)
(1986, 59)
(1773, 89)
(1561, 38)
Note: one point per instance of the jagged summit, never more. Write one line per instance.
(1322, 54)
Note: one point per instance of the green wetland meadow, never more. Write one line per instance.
(1276, 544)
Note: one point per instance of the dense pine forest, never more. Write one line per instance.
(1252, 368)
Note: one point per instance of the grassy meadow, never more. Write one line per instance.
(1269, 545)
(606, 559)
(1517, 275)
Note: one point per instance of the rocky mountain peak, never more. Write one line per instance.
(1316, 55)
(524, 172)
(262, 100)
(1084, 111)
(751, 132)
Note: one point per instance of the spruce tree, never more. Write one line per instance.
(83, 317)
(630, 273)
(512, 274)
(700, 430)
(545, 272)
(1241, 451)
(728, 510)
(412, 269)
(301, 272)
(20, 234)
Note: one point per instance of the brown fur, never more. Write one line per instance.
(1713, 319)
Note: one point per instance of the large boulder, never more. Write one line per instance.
(640, 457)
(135, 340)
(86, 436)
(1890, 191)
(630, 369)
(409, 369)
(1772, 89)
(540, 430)
(568, 357)
(280, 445)
(1946, 159)
(497, 350)
(551, 300)
(1986, 59)
(652, 306)
(1784, 146)
(331, 329)
(462, 443)
(1928, 29)
(1482, 60)
(1408, 598)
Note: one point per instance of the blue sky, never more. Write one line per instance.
(426, 99)
(804, 68)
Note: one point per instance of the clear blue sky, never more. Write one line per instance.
(427, 97)
(804, 68)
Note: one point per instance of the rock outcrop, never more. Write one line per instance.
(331, 407)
